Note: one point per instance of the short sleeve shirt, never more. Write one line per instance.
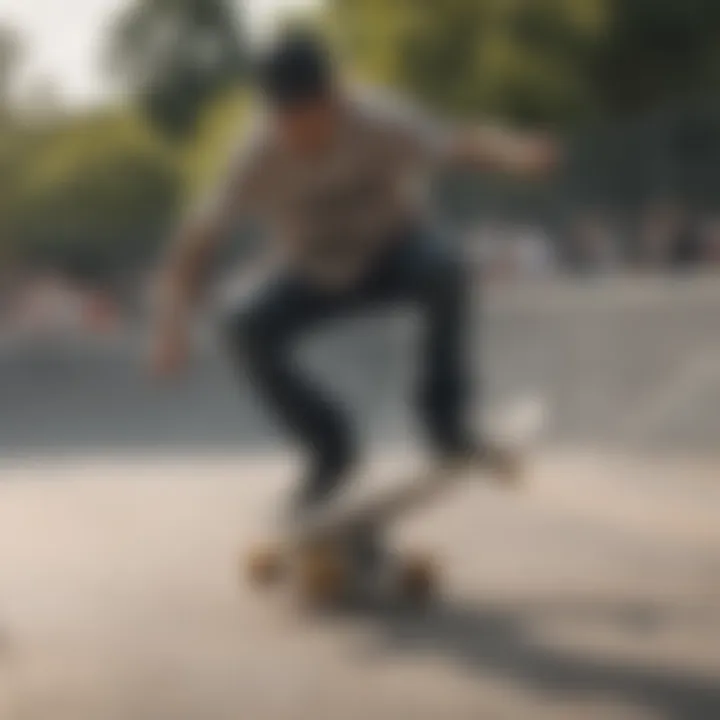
(334, 212)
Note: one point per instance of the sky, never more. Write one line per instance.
(65, 38)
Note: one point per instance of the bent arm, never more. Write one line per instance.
(185, 269)
(184, 272)
(493, 148)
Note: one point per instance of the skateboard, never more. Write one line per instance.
(316, 556)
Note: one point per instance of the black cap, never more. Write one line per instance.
(297, 68)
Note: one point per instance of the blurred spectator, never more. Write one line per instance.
(51, 304)
(657, 227)
(594, 245)
(669, 237)
(505, 250)
(535, 254)
(489, 249)
(686, 242)
(710, 242)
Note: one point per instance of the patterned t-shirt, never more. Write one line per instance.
(330, 215)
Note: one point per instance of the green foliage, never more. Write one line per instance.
(219, 130)
(563, 61)
(96, 192)
(175, 56)
(524, 59)
(658, 52)
(93, 195)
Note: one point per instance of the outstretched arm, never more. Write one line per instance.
(497, 149)
(484, 146)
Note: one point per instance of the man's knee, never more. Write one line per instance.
(446, 276)
(249, 329)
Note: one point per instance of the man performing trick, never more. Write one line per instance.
(334, 177)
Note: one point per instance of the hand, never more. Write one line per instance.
(170, 352)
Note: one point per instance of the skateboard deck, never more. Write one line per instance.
(413, 491)
(317, 546)
(515, 429)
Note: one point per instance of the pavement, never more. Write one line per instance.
(594, 592)
(127, 508)
(634, 364)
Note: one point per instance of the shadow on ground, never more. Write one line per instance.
(498, 641)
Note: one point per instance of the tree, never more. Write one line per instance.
(175, 56)
(657, 52)
(525, 59)
(93, 196)
(566, 61)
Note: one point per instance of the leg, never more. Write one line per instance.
(261, 333)
(434, 278)
(446, 389)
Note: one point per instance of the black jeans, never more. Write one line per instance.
(419, 271)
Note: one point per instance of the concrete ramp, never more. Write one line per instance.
(595, 594)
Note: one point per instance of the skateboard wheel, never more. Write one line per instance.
(323, 576)
(265, 566)
(418, 579)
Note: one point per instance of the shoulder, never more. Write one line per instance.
(379, 108)
(398, 119)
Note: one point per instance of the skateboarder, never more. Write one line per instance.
(334, 176)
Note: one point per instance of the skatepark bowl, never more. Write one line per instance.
(127, 505)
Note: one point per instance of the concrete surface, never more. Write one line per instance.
(593, 594)
(125, 507)
(624, 363)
